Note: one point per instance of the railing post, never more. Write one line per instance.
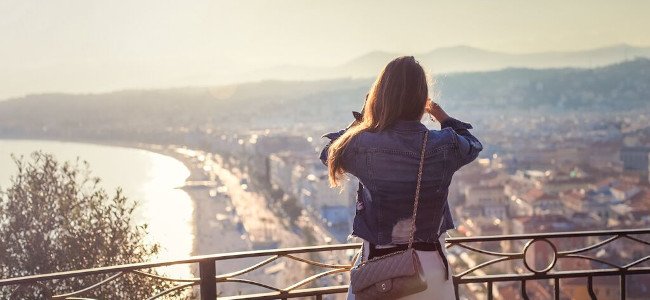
(489, 290)
(623, 292)
(208, 284)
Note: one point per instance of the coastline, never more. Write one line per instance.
(215, 226)
(226, 217)
(200, 197)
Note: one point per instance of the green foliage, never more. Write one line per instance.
(55, 217)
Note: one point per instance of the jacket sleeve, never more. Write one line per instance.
(332, 136)
(468, 145)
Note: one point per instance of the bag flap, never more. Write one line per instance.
(393, 266)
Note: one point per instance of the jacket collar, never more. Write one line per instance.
(409, 125)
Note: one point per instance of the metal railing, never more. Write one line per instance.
(577, 248)
(549, 257)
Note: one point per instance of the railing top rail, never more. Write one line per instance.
(568, 234)
(193, 259)
(550, 275)
(285, 251)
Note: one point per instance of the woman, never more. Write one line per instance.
(382, 148)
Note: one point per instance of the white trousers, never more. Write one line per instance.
(434, 271)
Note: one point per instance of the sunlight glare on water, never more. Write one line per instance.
(167, 207)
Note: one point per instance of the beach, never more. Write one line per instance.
(224, 215)
(229, 218)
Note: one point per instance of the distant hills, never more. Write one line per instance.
(441, 61)
(160, 114)
(621, 86)
(462, 59)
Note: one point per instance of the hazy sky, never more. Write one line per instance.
(93, 46)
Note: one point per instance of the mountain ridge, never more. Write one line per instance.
(460, 58)
(166, 116)
(222, 90)
(635, 70)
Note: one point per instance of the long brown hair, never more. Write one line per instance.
(399, 93)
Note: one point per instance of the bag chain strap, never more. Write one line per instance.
(417, 190)
(415, 209)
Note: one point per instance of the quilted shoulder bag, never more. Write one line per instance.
(394, 275)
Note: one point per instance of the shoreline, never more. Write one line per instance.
(195, 172)
(231, 220)
(153, 148)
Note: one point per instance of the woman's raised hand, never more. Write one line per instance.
(435, 111)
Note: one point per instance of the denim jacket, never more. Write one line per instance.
(386, 164)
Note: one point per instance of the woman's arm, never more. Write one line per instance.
(469, 146)
(332, 136)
